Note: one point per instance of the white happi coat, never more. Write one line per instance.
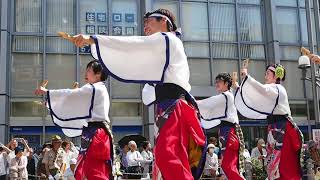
(154, 59)
(216, 109)
(72, 109)
(256, 101)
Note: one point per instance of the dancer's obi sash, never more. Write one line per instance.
(167, 97)
(224, 129)
(276, 130)
(89, 132)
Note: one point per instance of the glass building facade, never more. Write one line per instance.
(217, 36)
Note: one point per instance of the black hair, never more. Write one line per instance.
(65, 143)
(278, 80)
(167, 13)
(45, 145)
(225, 77)
(1, 149)
(17, 150)
(213, 140)
(145, 144)
(97, 68)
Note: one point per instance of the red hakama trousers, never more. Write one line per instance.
(171, 150)
(289, 166)
(93, 164)
(230, 159)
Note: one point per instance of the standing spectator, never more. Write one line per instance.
(3, 163)
(214, 141)
(123, 158)
(53, 159)
(314, 153)
(14, 143)
(147, 159)
(69, 174)
(41, 168)
(18, 165)
(134, 159)
(260, 152)
(70, 152)
(212, 163)
(31, 167)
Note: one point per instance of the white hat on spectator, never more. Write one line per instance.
(210, 146)
(73, 161)
(132, 143)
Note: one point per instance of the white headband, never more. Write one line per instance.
(271, 68)
(163, 16)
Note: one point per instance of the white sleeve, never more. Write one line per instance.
(214, 107)
(140, 59)
(70, 108)
(254, 153)
(267, 89)
(255, 100)
(216, 162)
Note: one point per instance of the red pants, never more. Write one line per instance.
(171, 151)
(289, 166)
(230, 158)
(93, 165)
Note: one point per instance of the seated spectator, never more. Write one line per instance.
(134, 160)
(211, 164)
(260, 152)
(214, 141)
(314, 153)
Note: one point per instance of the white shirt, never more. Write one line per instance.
(18, 167)
(256, 101)
(72, 109)
(216, 109)
(134, 158)
(211, 163)
(255, 153)
(69, 175)
(144, 59)
(3, 163)
(68, 156)
(147, 160)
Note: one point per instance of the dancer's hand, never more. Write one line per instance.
(81, 40)
(243, 73)
(235, 84)
(40, 91)
(315, 58)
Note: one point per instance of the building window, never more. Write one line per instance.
(60, 16)
(124, 17)
(288, 29)
(61, 71)
(199, 72)
(250, 23)
(126, 109)
(26, 73)
(94, 17)
(27, 109)
(28, 16)
(172, 6)
(223, 22)
(195, 21)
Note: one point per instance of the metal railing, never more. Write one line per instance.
(309, 173)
